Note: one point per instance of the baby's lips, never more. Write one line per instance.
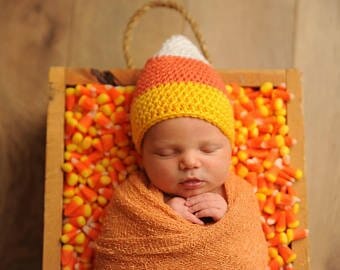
(191, 178)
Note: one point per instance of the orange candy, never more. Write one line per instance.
(68, 257)
(286, 253)
(100, 156)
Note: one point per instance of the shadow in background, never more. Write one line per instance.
(31, 32)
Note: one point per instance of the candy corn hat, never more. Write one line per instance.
(179, 82)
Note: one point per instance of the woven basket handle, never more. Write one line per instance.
(140, 12)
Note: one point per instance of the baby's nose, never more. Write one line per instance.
(189, 160)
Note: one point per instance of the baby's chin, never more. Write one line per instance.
(191, 193)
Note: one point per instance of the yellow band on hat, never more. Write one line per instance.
(181, 99)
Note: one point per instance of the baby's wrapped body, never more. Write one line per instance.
(178, 94)
(140, 231)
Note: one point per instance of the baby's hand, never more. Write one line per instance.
(207, 205)
(178, 204)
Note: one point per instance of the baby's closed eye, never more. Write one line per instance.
(210, 148)
(165, 152)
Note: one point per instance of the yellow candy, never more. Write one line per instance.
(67, 227)
(278, 104)
(129, 88)
(80, 238)
(100, 168)
(281, 111)
(234, 160)
(103, 98)
(244, 131)
(67, 167)
(242, 171)
(107, 109)
(283, 238)
(86, 143)
(92, 131)
(273, 252)
(105, 162)
(229, 89)
(254, 132)
(240, 139)
(86, 173)
(280, 141)
(284, 150)
(242, 155)
(87, 210)
(105, 180)
(119, 100)
(298, 174)
(71, 121)
(266, 88)
(77, 138)
(259, 101)
(283, 130)
(72, 179)
(264, 110)
(281, 119)
(101, 200)
(296, 208)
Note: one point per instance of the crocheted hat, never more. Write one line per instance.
(179, 82)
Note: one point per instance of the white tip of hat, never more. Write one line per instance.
(179, 45)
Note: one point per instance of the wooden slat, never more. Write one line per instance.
(296, 129)
(82, 76)
(54, 175)
(253, 78)
(250, 78)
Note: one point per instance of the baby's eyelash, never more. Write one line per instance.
(210, 149)
(165, 153)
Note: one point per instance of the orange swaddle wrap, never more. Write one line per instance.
(140, 231)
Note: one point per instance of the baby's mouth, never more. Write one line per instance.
(192, 183)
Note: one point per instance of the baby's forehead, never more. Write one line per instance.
(185, 128)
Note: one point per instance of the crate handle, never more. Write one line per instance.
(140, 12)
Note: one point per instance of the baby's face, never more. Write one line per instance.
(186, 156)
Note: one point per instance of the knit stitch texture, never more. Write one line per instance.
(140, 231)
(177, 83)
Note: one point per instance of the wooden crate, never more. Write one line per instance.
(59, 77)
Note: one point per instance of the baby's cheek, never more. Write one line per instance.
(162, 171)
(221, 169)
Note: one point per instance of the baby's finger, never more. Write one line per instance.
(194, 219)
(203, 205)
(215, 214)
(203, 197)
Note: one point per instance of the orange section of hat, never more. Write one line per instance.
(167, 69)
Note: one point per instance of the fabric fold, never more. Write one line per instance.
(140, 231)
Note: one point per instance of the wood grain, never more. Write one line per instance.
(33, 36)
(250, 34)
(54, 175)
(317, 55)
(296, 129)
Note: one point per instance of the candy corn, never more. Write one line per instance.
(297, 234)
(70, 98)
(99, 155)
(68, 256)
(286, 253)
